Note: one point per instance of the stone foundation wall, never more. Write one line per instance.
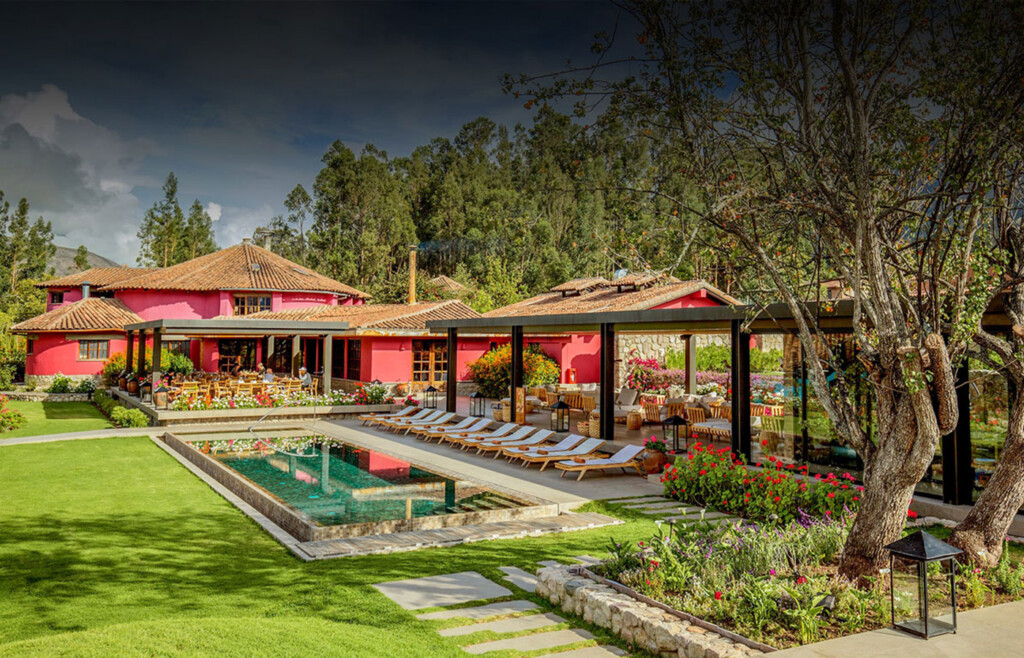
(44, 381)
(38, 396)
(645, 626)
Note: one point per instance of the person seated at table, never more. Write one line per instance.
(305, 380)
(268, 376)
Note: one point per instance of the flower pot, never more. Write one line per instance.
(654, 461)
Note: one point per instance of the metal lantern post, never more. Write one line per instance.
(430, 398)
(560, 416)
(161, 397)
(670, 428)
(477, 404)
(924, 578)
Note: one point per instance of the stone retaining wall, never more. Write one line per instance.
(40, 396)
(44, 381)
(645, 626)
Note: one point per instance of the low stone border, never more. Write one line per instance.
(639, 620)
(42, 396)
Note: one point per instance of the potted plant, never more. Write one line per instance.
(655, 455)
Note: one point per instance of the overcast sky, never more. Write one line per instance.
(99, 101)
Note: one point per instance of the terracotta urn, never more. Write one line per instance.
(654, 461)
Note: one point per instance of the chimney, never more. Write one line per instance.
(412, 274)
(85, 289)
(246, 240)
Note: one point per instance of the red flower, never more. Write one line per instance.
(911, 514)
(777, 499)
(801, 580)
(718, 596)
(703, 472)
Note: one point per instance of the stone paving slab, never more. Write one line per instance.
(658, 505)
(716, 517)
(586, 559)
(534, 642)
(439, 591)
(550, 563)
(588, 652)
(481, 611)
(511, 625)
(637, 499)
(522, 579)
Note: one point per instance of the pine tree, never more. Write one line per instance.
(197, 235)
(81, 258)
(162, 228)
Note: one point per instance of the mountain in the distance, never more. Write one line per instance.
(63, 261)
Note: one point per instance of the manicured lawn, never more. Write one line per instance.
(110, 547)
(56, 418)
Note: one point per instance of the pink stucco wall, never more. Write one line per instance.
(387, 359)
(693, 300)
(53, 353)
(71, 295)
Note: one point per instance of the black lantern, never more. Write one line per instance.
(670, 429)
(922, 585)
(146, 391)
(430, 398)
(560, 416)
(122, 380)
(477, 404)
(161, 397)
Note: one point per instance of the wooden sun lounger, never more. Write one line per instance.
(498, 445)
(396, 414)
(441, 433)
(518, 435)
(626, 458)
(398, 422)
(457, 439)
(440, 420)
(585, 449)
(420, 415)
(569, 442)
(432, 427)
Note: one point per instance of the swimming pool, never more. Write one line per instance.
(320, 488)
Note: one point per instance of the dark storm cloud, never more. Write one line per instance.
(240, 100)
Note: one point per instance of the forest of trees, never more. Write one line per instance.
(507, 211)
(168, 237)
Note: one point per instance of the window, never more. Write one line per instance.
(249, 304)
(93, 350)
(177, 347)
(56, 298)
(30, 346)
(355, 356)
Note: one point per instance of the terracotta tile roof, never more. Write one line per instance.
(242, 267)
(377, 316)
(608, 298)
(447, 284)
(580, 285)
(641, 279)
(89, 314)
(97, 277)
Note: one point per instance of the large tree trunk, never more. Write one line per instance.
(980, 535)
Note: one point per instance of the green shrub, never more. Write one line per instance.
(10, 419)
(714, 357)
(765, 360)
(60, 384)
(124, 417)
(86, 386)
(6, 377)
(170, 362)
(492, 372)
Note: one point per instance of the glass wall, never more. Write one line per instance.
(990, 396)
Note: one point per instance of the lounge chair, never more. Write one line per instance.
(433, 427)
(398, 422)
(396, 414)
(497, 445)
(441, 433)
(515, 452)
(625, 458)
(421, 414)
(585, 449)
(519, 434)
(504, 430)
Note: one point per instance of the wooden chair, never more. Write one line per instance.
(243, 389)
(676, 409)
(652, 413)
(693, 416)
(587, 404)
(721, 411)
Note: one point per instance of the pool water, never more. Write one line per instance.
(341, 484)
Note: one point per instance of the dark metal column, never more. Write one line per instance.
(691, 364)
(296, 351)
(517, 366)
(607, 382)
(452, 375)
(157, 352)
(140, 371)
(328, 362)
(740, 389)
(129, 356)
(957, 470)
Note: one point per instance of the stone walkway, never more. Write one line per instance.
(519, 626)
(666, 509)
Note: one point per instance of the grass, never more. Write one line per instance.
(56, 418)
(110, 547)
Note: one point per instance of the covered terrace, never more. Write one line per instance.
(801, 435)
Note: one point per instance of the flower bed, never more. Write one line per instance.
(10, 419)
(364, 395)
(649, 376)
(774, 492)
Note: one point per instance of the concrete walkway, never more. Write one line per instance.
(92, 434)
(990, 632)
